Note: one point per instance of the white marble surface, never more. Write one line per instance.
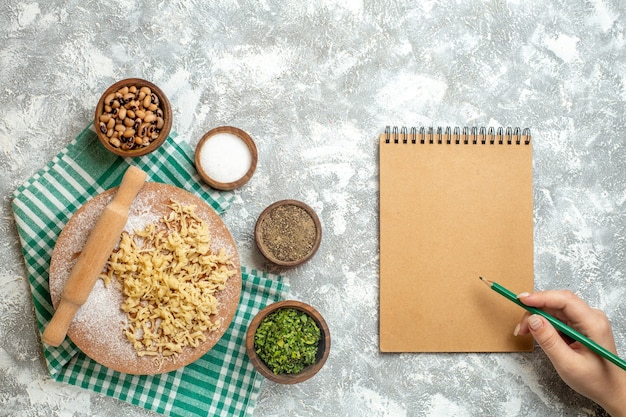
(314, 83)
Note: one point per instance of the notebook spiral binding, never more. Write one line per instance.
(473, 135)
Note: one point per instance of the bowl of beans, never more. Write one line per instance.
(133, 117)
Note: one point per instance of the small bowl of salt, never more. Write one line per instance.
(226, 158)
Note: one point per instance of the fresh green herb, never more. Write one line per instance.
(287, 340)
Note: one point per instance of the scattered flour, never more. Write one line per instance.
(442, 406)
(564, 47)
(603, 17)
(27, 14)
(368, 402)
(413, 92)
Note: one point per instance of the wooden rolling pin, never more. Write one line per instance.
(93, 257)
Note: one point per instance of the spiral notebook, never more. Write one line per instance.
(454, 205)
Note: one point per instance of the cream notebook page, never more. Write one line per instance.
(454, 206)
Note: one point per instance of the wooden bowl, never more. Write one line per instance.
(281, 240)
(213, 157)
(124, 148)
(322, 351)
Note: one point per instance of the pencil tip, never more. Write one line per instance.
(486, 281)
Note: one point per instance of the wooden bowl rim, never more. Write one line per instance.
(323, 347)
(227, 186)
(167, 116)
(265, 252)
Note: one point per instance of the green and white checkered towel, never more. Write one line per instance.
(222, 382)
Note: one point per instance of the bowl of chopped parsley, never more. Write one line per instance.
(288, 342)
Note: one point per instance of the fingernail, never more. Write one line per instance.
(522, 295)
(516, 331)
(535, 323)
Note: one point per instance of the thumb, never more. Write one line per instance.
(550, 341)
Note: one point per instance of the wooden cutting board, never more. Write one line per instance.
(97, 328)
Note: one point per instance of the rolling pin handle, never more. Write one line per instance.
(132, 181)
(56, 330)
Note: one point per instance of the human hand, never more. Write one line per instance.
(583, 370)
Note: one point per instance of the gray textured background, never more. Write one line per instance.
(314, 83)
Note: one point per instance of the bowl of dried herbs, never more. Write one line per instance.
(288, 342)
(288, 233)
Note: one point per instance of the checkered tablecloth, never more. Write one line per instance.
(222, 382)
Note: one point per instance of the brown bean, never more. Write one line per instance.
(108, 99)
(144, 129)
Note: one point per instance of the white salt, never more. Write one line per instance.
(225, 157)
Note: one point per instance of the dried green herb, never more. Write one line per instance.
(288, 233)
(287, 341)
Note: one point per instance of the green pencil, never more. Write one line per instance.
(559, 325)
